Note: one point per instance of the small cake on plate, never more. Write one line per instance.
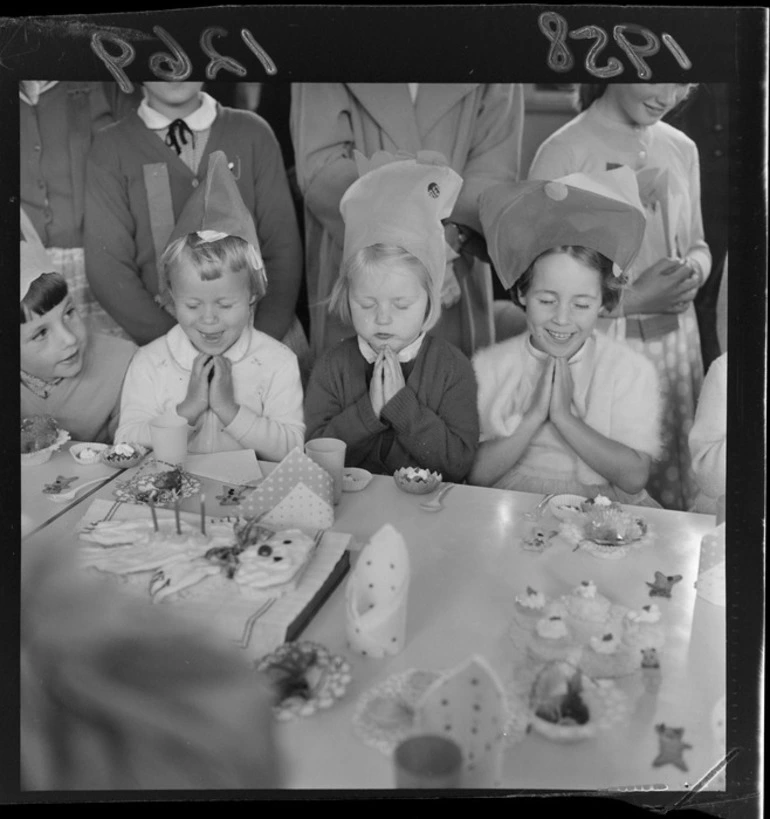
(86, 454)
(416, 481)
(643, 629)
(124, 455)
(551, 639)
(530, 607)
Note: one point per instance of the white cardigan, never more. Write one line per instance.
(266, 383)
(615, 393)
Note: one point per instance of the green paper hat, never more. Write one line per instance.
(601, 211)
(400, 200)
(33, 257)
(216, 208)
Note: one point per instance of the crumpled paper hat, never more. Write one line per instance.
(216, 209)
(297, 492)
(468, 704)
(376, 595)
(401, 200)
(602, 212)
(33, 257)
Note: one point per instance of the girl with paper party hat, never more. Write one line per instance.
(397, 395)
(621, 124)
(237, 387)
(67, 372)
(562, 407)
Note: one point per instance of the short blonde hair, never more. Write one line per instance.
(229, 254)
(375, 255)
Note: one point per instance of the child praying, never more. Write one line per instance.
(237, 387)
(564, 408)
(397, 395)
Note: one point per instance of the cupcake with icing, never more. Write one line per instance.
(551, 639)
(588, 611)
(643, 628)
(606, 656)
(530, 607)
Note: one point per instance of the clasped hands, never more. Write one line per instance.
(668, 286)
(387, 379)
(553, 393)
(210, 387)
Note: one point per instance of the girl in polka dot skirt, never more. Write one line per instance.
(621, 125)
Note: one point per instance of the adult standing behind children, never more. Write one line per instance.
(141, 173)
(477, 127)
(57, 124)
(621, 125)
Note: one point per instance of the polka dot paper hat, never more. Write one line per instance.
(601, 211)
(400, 200)
(33, 257)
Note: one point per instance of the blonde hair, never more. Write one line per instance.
(371, 257)
(211, 259)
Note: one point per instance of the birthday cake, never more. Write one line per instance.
(607, 523)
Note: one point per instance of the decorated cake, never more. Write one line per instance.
(607, 523)
(123, 455)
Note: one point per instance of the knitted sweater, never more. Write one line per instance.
(266, 384)
(431, 423)
(87, 404)
(615, 393)
(136, 188)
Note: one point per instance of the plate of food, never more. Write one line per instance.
(355, 479)
(161, 488)
(41, 436)
(306, 677)
(416, 481)
(124, 455)
(86, 454)
(566, 507)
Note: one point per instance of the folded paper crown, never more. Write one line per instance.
(215, 210)
(400, 200)
(467, 704)
(522, 220)
(376, 595)
(297, 492)
(33, 257)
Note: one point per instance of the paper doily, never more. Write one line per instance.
(312, 677)
(385, 714)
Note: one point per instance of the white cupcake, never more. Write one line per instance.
(588, 612)
(643, 628)
(606, 656)
(530, 607)
(552, 640)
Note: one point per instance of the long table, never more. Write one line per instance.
(467, 566)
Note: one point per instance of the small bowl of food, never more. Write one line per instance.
(87, 454)
(123, 456)
(41, 436)
(416, 481)
(355, 479)
(566, 507)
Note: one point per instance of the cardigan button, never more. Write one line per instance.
(195, 183)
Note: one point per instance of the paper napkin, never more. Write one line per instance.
(711, 568)
(376, 596)
(468, 705)
(296, 493)
(238, 467)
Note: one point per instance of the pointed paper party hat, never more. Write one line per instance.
(33, 258)
(602, 212)
(400, 200)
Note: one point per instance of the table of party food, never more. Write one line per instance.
(562, 642)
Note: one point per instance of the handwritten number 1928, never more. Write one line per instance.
(560, 58)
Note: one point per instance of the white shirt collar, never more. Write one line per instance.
(184, 353)
(574, 359)
(406, 354)
(30, 90)
(200, 119)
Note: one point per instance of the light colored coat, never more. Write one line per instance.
(478, 129)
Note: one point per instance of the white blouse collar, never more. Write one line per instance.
(406, 354)
(184, 353)
(200, 119)
(574, 359)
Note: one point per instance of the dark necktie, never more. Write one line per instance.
(177, 135)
